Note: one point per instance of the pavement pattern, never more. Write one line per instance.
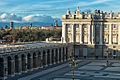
(85, 70)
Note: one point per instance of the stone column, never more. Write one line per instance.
(119, 34)
(101, 34)
(24, 67)
(58, 55)
(64, 33)
(41, 59)
(3, 69)
(18, 66)
(81, 42)
(110, 34)
(46, 61)
(73, 33)
(93, 33)
(89, 33)
(12, 67)
(61, 54)
(50, 56)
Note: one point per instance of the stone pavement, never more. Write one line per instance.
(94, 70)
(43, 72)
(86, 70)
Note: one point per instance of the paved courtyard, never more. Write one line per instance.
(86, 70)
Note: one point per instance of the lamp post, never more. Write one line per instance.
(107, 60)
(73, 64)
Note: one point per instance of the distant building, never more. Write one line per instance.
(31, 25)
(6, 27)
(56, 24)
(11, 25)
(40, 28)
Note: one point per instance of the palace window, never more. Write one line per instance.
(77, 25)
(114, 39)
(85, 26)
(114, 25)
(68, 25)
(105, 26)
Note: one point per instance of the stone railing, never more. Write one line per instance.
(10, 49)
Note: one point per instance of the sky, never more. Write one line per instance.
(35, 10)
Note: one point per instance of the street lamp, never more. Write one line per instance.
(107, 60)
(73, 64)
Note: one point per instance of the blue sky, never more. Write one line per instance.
(55, 8)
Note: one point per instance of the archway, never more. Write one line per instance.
(44, 59)
(63, 56)
(16, 59)
(2, 74)
(23, 63)
(52, 57)
(56, 55)
(39, 59)
(59, 54)
(9, 66)
(48, 57)
(34, 60)
(29, 61)
(66, 53)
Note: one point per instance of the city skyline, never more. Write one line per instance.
(26, 10)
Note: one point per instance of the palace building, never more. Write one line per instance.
(92, 33)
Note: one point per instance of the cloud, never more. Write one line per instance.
(6, 17)
(38, 18)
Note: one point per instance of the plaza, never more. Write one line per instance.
(85, 70)
(92, 70)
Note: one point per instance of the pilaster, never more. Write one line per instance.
(101, 34)
(73, 33)
(81, 42)
(93, 33)
(89, 33)
(110, 34)
(64, 33)
(119, 34)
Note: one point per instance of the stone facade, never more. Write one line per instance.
(99, 30)
(21, 61)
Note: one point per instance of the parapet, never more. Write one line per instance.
(88, 15)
